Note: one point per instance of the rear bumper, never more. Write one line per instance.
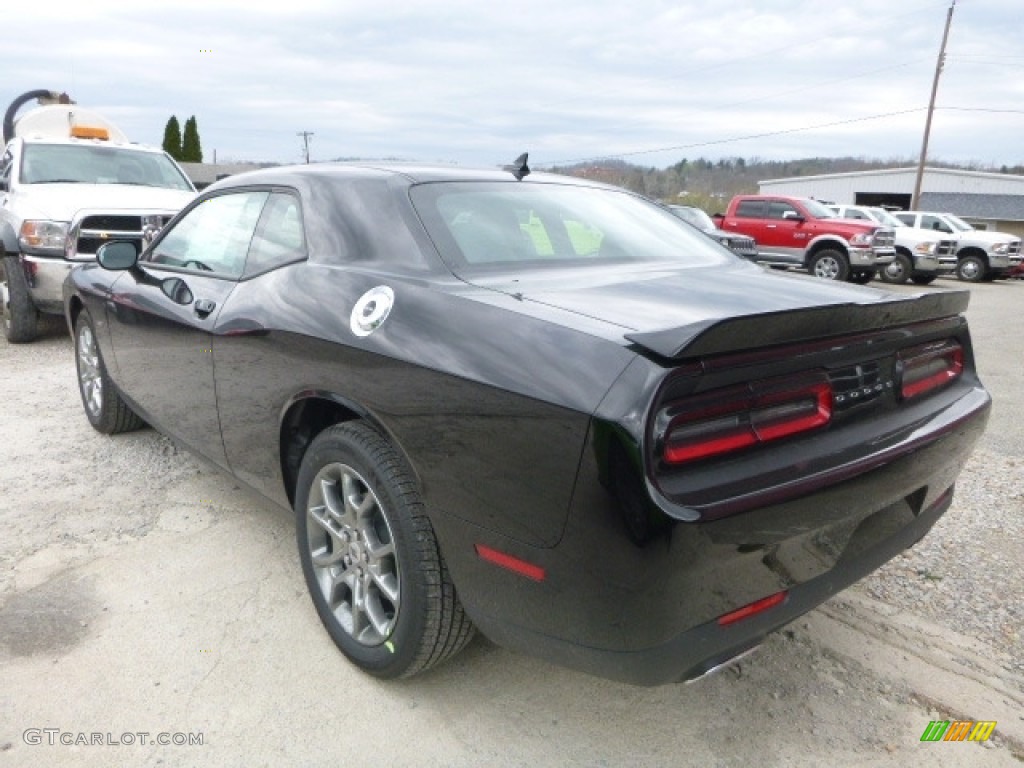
(638, 601)
(692, 653)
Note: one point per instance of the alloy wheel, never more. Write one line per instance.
(90, 377)
(352, 550)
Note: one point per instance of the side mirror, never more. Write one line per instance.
(4, 185)
(117, 255)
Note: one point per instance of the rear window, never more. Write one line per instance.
(509, 224)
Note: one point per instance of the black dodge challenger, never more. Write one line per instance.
(531, 405)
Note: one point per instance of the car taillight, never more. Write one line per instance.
(928, 367)
(730, 419)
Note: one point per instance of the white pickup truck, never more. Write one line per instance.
(921, 254)
(69, 182)
(981, 254)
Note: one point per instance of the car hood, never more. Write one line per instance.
(61, 202)
(664, 308)
(983, 236)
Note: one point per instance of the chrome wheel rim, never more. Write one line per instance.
(969, 269)
(826, 267)
(352, 551)
(895, 270)
(89, 377)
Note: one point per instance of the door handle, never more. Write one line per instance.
(203, 307)
(771, 226)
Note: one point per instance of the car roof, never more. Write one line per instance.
(413, 173)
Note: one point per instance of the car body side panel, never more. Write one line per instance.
(451, 380)
(164, 352)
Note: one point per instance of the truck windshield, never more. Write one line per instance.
(530, 226)
(882, 216)
(957, 223)
(694, 216)
(87, 164)
(817, 210)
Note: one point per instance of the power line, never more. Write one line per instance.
(735, 138)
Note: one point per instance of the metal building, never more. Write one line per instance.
(987, 200)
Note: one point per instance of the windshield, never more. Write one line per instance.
(957, 223)
(882, 216)
(817, 210)
(694, 216)
(89, 164)
(536, 226)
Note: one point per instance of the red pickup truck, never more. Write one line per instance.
(800, 232)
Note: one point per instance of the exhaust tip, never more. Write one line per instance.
(717, 665)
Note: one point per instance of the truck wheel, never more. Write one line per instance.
(971, 269)
(897, 271)
(922, 279)
(20, 317)
(861, 276)
(830, 264)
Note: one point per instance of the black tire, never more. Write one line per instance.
(20, 316)
(394, 611)
(104, 408)
(862, 276)
(971, 269)
(922, 279)
(897, 271)
(829, 264)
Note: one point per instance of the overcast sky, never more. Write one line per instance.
(476, 83)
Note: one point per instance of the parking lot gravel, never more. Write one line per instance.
(141, 591)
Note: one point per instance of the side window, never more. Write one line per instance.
(214, 236)
(852, 213)
(934, 222)
(778, 210)
(750, 209)
(279, 237)
(906, 218)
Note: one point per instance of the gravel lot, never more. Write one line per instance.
(143, 592)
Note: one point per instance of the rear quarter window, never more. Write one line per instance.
(751, 209)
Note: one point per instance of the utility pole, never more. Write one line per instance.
(305, 139)
(931, 108)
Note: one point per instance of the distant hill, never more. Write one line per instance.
(711, 184)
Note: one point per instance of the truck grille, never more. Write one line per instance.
(745, 246)
(92, 230)
(945, 250)
(884, 238)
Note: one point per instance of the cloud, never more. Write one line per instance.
(477, 83)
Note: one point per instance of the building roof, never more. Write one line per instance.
(995, 207)
(929, 170)
(204, 174)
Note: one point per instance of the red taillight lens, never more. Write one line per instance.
(926, 368)
(728, 420)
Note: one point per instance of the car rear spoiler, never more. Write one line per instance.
(735, 334)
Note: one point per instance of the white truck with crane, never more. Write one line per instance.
(70, 181)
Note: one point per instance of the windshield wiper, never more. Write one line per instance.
(57, 181)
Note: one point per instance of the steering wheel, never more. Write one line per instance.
(196, 264)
